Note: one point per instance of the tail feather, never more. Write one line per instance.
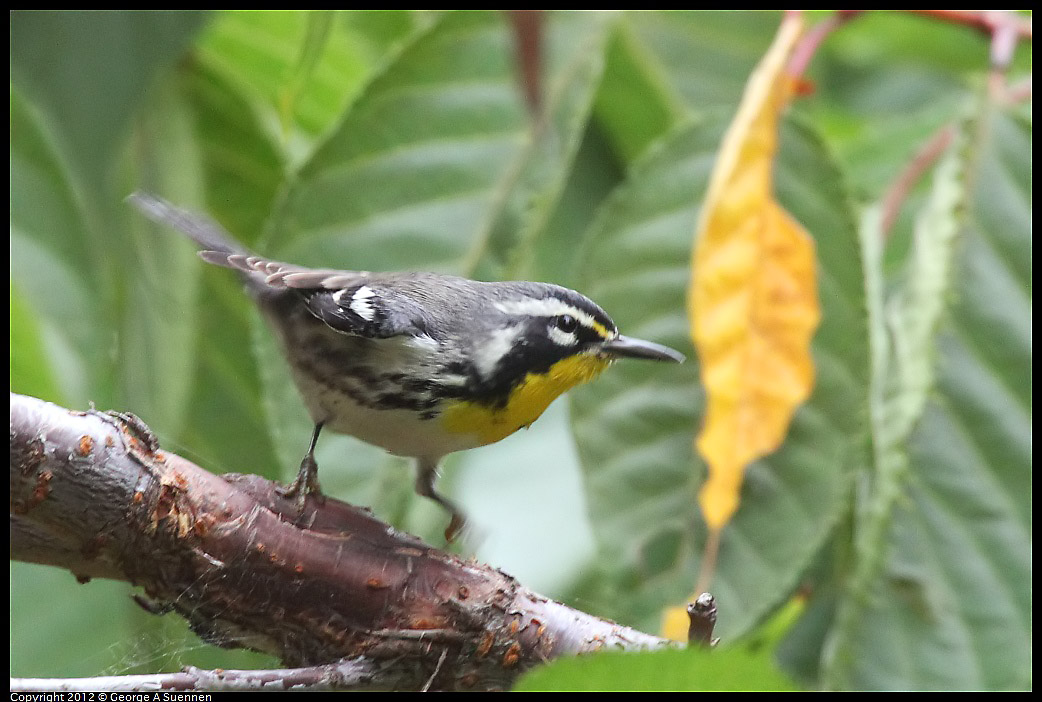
(265, 279)
(209, 235)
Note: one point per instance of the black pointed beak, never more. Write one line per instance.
(625, 347)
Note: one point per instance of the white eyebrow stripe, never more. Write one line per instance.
(546, 307)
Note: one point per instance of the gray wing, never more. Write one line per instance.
(350, 302)
(367, 309)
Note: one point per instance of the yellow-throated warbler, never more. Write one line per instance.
(420, 364)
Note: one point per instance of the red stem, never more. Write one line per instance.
(922, 161)
(808, 45)
(1004, 27)
(982, 20)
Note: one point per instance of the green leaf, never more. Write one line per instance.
(694, 669)
(243, 164)
(107, 318)
(271, 56)
(945, 574)
(67, 630)
(316, 37)
(31, 372)
(574, 50)
(633, 107)
(228, 429)
(595, 174)
(435, 167)
(88, 71)
(888, 80)
(636, 425)
(53, 264)
(705, 55)
(664, 66)
(227, 162)
(410, 173)
(94, 628)
(159, 305)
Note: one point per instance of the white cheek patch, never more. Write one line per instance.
(361, 303)
(547, 307)
(562, 338)
(488, 354)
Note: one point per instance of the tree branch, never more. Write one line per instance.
(93, 493)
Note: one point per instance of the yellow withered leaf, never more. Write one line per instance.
(753, 297)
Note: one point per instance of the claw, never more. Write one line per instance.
(455, 527)
(306, 482)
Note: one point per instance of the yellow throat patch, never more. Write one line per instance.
(527, 401)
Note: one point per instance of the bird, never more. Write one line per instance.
(420, 364)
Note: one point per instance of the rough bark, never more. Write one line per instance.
(93, 493)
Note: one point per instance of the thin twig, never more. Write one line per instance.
(702, 614)
(355, 674)
(984, 21)
(1004, 27)
(708, 567)
(427, 685)
(528, 47)
(923, 160)
(810, 42)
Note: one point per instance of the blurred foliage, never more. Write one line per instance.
(694, 670)
(898, 507)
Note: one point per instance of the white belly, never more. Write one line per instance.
(399, 431)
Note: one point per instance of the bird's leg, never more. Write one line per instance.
(426, 474)
(306, 482)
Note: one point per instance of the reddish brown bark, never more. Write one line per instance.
(95, 494)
